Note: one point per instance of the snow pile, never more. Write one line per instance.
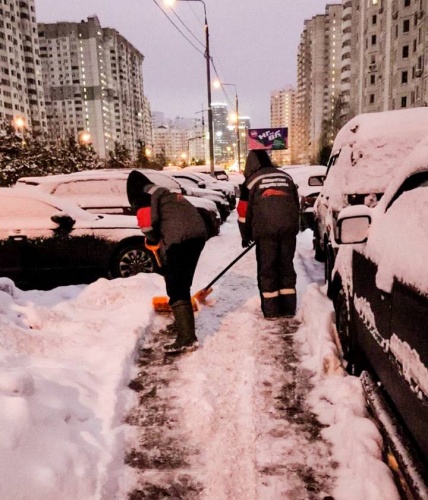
(65, 361)
(338, 401)
(67, 356)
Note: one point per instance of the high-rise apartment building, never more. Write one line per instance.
(282, 104)
(318, 82)
(222, 135)
(388, 53)
(93, 82)
(21, 86)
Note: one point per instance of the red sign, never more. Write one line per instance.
(268, 138)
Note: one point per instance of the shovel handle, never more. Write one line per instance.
(234, 261)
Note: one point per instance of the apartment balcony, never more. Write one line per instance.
(345, 74)
(347, 6)
(346, 25)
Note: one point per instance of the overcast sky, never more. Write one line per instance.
(253, 44)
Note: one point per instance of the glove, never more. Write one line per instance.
(246, 243)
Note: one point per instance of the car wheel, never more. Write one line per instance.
(354, 365)
(131, 260)
(319, 252)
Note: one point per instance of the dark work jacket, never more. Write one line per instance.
(269, 203)
(168, 217)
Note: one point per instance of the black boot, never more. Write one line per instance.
(185, 322)
(287, 303)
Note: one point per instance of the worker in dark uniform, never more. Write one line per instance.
(172, 225)
(268, 213)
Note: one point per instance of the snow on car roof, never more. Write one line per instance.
(70, 208)
(416, 161)
(300, 175)
(372, 146)
(398, 241)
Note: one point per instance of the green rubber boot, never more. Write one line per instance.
(185, 322)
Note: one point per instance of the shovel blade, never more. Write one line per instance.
(161, 304)
(202, 294)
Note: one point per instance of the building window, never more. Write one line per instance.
(374, 19)
(404, 101)
(406, 26)
(372, 79)
(404, 77)
(373, 39)
(405, 51)
(371, 98)
(406, 3)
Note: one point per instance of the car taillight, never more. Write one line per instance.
(309, 201)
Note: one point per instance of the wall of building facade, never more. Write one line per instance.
(21, 85)
(282, 107)
(93, 82)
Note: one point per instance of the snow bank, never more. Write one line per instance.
(338, 401)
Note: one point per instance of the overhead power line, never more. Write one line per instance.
(192, 44)
(177, 28)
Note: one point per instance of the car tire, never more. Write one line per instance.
(319, 252)
(350, 351)
(130, 260)
(328, 269)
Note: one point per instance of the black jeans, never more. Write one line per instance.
(179, 268)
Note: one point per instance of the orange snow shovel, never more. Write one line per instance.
(160, 304)
(155, 251)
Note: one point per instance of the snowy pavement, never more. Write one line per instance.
(91, 408)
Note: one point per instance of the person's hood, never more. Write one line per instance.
(135, 185)
(256, 160)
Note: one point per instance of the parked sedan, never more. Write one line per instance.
(190, 189)
(104, 191)
(309, 179)
(46, 241)
(380, 290)
(205, 181)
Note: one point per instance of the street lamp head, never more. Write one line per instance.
(19, 122)
(233, 117)
(84, 138)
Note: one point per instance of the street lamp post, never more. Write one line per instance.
(238, 139)
(208, 61)
(188, 144)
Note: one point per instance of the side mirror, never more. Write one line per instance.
(64, 221)
(316, 180)
(353, 229)
(202, 185)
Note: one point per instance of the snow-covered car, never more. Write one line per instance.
(309, 180)
(365, 154)
(380, 289)
(189, 188)
(104, 191)
(205, 181)
(47, 241)
(219, 172)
